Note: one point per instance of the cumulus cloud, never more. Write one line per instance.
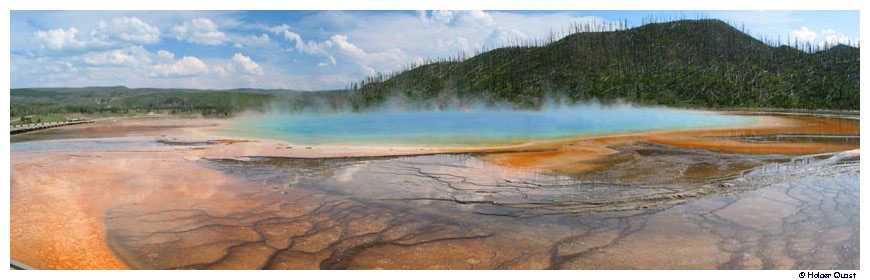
(284, 30)
(187, 66)
(369, 70)
(804, 34)
(829, 37)
(330, 60)
(834, 38)
(504, 36)
(41, 67)
(308, 47)
(390, 55)
(339, 44)
(165, 55)
(199, 31)
(116, 57)
(60, 39)
(42, 71)
(261, 40)
(129, 29)
(247, 65)
(341, 41)
(117, 33)
(132, 56)
(458, 18)
(387, 59)
(362, 40)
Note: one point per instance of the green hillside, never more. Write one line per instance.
(695, 63)
(89, 100)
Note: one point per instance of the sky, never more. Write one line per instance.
(314, 50)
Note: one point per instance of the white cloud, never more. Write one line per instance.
(187, 66)
(804, 34)
(284, 30)
(132, 56)
(40, 67)
(829, 37)
(313, 47)
(339, 44)
(330, 60)
(341, 41)
(129, 29)
(119, 33)
(505, 36)
(459, 18)
(253, 40)
(393, 55)
(248, 66)
(308, 47)
(115, 57)
(362, 40)
(220, 70)
(199, 31)
(59, 39)
(833, 38)
(165, 55)
(369, 71)
(384, 60)
(42, 71)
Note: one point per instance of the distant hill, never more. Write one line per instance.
(695, 63)
(41, 101)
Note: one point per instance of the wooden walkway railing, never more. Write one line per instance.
(16, 129)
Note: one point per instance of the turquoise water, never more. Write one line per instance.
(471, 127)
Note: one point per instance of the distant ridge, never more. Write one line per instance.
(697, 63)
(121, 99)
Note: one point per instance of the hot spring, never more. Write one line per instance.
(471, 127)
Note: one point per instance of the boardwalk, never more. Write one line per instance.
(16, 129)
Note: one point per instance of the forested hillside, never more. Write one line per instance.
(697, 63)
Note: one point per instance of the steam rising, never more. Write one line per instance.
(399, 121)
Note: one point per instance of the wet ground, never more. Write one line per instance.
(653, 206)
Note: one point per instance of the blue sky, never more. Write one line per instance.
(312, 50)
